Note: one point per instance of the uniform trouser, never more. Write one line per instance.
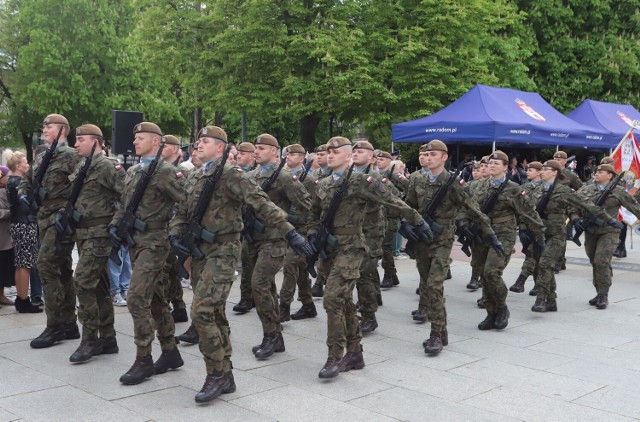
(294, 272)
(494, 291)
(599, 249)
(555, 244)
(433, 262)
(247, 270)
(388, 246)
(92, 287)
(366, 286)
(529, 265)
(477, 260)
(265, 258)
(173, 291)
(216, 275)
(343, 328)
(57, 277)
(145, 300)
(322, 275)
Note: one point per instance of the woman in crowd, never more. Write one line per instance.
(6, 247)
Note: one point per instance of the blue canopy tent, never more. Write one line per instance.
(613, 118)
(502, 116)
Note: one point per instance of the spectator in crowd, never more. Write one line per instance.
(587, 169)
(120, 277)
(516, 172)
(7, 268)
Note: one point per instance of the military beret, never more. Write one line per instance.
(553, 164)
(171, 140)
(246, 147)
(535, 165)
(214, 132)
(296, 149)
(89, 130)
(607, 160)
(560, 154)
(499, 155)
(266, 139)
(485, 159)
(606, 167)
(385, 154)
(337, 142)
(147, 127)
(321, 148)
(362, 144)
(55, 118)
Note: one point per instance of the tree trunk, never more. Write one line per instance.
(308, 127)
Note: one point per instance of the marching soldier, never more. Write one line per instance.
(146, 302)
(344, 262)
(573, 181)
(474, 187)
(390, 277)
(601, 241)
(317, 290)
(96, 204)
(55, 269)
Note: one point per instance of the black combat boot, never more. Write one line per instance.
(272, 342)
(244, 306)
(474, 284)
(534, 291)
(420, 314)
(395, 278)
(418, 291)
(379, 299)
(433, 345)
(551, 305)
(180, 315)
(216, 384)
(489, 322)
(307, 311)
(331, 368)
(317, 290)
(502, 318)
(480, 302)
(285, 313)
(621, 251)
(557, 268)
(368, 323)
(190, 336)
(86, 350)
(603, 301)
(387, 281)
(109, 345)
(71, 331)
(352, 360)
(24, 306)
(593, 301)
(49, 337)
(518, 286)
(539, 306)
(141, 369)
(170, 359)
(448, 276)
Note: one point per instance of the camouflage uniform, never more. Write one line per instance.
(145, 300)
(391, 227)
(573, 181)
(215, 272)
(321, 280)
(172, 282)
(477, 265)
(529, 265)
(265, 255)
(433, 259)
(344, 263)
(97, 203)
(55, 270)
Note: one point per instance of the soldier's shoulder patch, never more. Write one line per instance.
(384, 180)
(380, 187)
(462, 182)
(179, 175)
(523, 193)
(317, 181)
(119, 167)
(239, 170)
(369, 179)
(294, 177)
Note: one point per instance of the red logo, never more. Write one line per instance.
(529, 110)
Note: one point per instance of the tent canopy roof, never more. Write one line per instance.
(608, 117)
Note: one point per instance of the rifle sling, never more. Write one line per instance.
(98, 221)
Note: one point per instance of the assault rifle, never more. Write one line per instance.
(129, 220)
(487, 207)
(38, 192)
(293, 218)
(249, 215)
(195, 232)
(324, 237)
(427, 214)
(590, 220)
(541, 208)
(67, 219)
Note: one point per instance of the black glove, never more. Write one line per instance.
(577, 225)
(299, 244)
(615, 223)
(497, 245)
(408, 231)
(61, 228)
(425, 235)
(466, 231)
(116, 240)
(313, 242)
(525, 236)
(25, 202)
(540, 244)
(177, 247)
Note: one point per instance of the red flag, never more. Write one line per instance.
(627, 159)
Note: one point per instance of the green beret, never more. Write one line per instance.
(147, 127)
(321, 148)
(607, 167)
(246, 147)
(89, 130)
(362, 144)
(266, 139)
(296, 149)
(499, 155)
(171, 140)
(337, 142)
(385, 154)
(553, 164)
(435, 145)
(607, 160)
(560, 154)
(55, 118)
(214, 132)
(535, 165)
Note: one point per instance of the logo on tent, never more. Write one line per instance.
(529, 110)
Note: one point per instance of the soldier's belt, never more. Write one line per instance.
(560, 216)
(342, 231)
(503, 219)
(98, 221)
(156, 225)
(229, 237)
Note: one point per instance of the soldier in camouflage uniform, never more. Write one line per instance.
(55, 270)
(146, 302)
(266, 253)
(344, 262)
(246, 161)
(214, 274)
(529, 265)
(322, 172)
(433, 259)
(294, 270)
(571, 179)
(601, 240)
(96, 205)
(390, 278)
(474, 187)
(512, 203)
